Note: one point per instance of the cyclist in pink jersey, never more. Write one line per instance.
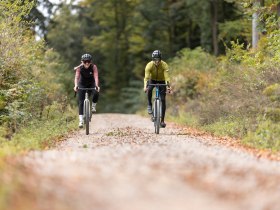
(86, 77)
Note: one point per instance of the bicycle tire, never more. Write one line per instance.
(87, 115)
(160, 109)
(154, 114)
(157, 116)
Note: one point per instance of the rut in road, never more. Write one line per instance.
(123, 165)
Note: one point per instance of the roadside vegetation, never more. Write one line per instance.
(32, 96)
(235, 95)
(34, 109)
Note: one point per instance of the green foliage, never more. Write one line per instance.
(196, 59)
(273, 92)
(16, 10)
(122, 34)
(236, 53)
(40, 19)
(65, 35)
(229, 126)
(42, 133)
(30, 75)
(235, 30)
(180, 116)
(241, 87)
(191, 70)
(29, 83)
(18, 52)
(113, 44)
(2, 102)
(273, 114)
(26, 99)
(266, 136)
(130, 97)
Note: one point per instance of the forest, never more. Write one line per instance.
(223, 57)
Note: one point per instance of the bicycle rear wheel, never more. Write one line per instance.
(157, 116)
(87, 115)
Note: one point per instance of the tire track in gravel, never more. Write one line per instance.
(123, 165)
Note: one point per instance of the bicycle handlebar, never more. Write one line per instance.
(79, 88)
(157, 85)
(86, 88)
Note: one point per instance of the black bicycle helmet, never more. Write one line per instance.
(86, 57)
(156, 55)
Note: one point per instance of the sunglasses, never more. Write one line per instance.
(86, 61)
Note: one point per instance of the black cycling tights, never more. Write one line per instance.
(81, 98)
(162, 90)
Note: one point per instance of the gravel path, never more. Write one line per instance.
(123, 165)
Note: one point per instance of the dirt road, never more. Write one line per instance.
(123, 165)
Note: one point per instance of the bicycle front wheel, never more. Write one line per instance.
(87, 115)
(157, 116)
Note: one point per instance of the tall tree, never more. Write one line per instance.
(121, 34)
(112, 40)
(214, 23)
(40, 16)
(66, 32)
(256, 23)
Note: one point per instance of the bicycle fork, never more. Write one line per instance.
(88, 102)
(157, 100)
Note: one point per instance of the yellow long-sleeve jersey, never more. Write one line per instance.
(157, 73)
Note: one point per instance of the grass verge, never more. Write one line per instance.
(265, 134)
(38, 135)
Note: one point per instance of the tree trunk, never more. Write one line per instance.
(263, 28)
(255, 33)
(278, 13)
(214, 23)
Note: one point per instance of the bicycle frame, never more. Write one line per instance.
(157, 112)
(87, 111)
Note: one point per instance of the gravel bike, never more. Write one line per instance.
(156, 115)
(87, 108)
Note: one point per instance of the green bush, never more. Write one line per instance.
(178, 115)
(273, 114)
(197, 59)
(266, 136)
(191, 71)
(40, 133)
(235, 91)
(230, 126)
(32, 77)
(273, 92)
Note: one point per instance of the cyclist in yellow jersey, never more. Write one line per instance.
(157, 72)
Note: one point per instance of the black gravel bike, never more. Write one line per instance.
(156, 115)
(87, 108)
